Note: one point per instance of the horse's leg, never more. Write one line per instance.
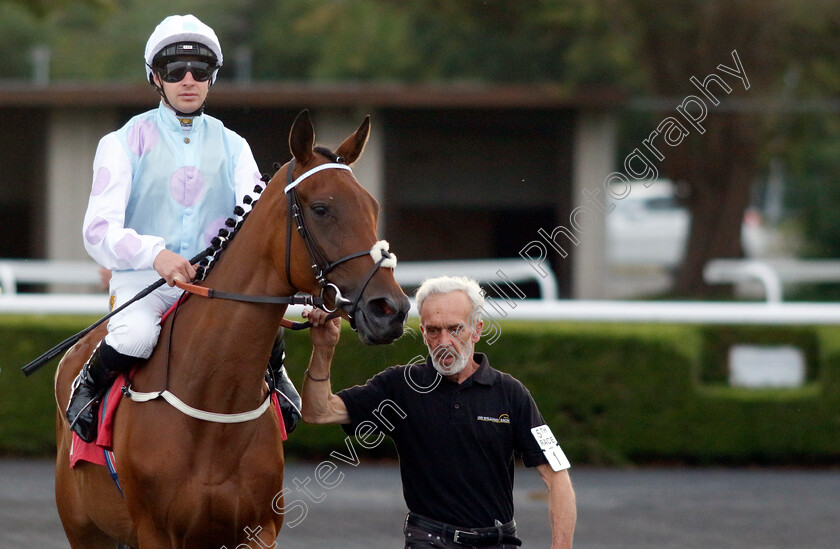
(91, 510)
(150, 536)
(80, 530)
(267, 536)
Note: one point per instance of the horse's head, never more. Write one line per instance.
(334, 250)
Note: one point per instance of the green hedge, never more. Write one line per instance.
(612, 394)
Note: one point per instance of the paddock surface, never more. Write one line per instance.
(643, 508)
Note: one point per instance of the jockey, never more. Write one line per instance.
(163, 186)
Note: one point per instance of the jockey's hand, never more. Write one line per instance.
(324, 332)
(172, 266)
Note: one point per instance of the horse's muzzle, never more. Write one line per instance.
(381, 320)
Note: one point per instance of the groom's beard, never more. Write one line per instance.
(447, 360)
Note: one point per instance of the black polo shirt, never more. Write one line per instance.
(456, 442)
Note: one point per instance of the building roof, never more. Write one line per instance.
(295, 94)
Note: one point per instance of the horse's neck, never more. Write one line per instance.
(223, 346)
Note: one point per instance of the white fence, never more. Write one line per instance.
(85, 274)
(78, 275)
(530, 309)
(14, 272)
(411, 274)
(772, 274)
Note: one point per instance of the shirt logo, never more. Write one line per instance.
(504, 418)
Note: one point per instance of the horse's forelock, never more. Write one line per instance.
(331, 156)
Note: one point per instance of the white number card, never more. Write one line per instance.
(548, 444)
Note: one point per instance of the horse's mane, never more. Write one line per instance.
(232, 226)
(220, 242)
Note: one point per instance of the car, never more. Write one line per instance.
(649, 226)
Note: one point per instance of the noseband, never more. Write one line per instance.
(321, 265)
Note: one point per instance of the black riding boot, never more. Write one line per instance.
(279, 381)
(104, 365)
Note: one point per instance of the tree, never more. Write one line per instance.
(674, 41)
(41, 8)
(652, 47)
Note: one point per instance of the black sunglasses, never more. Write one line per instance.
(176, 71)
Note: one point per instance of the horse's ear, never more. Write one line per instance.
(302, 138)
(353, 146)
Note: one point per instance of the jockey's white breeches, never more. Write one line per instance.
(135, 330)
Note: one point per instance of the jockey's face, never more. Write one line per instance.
(187, 95)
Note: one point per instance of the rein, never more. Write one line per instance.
(306, 300)
(210, 293)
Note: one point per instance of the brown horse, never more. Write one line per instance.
(193, 483)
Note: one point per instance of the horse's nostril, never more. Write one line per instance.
(380, 307)
(381, 320)
(383, 308)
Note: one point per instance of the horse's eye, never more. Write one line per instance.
(320, 211)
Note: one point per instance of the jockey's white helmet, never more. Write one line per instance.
(176, 29)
